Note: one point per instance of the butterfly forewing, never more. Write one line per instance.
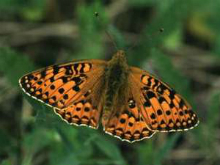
(162, 108)
(69, 89)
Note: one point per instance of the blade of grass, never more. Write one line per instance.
(165, 149)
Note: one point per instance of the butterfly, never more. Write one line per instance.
(130, 103)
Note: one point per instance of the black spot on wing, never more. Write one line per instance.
(55, 69)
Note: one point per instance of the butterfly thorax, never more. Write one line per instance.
(116, 83)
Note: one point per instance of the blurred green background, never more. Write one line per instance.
(38, 33)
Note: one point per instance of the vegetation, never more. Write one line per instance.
(186, 55)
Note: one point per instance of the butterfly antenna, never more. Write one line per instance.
(161, 30)
(107, 33)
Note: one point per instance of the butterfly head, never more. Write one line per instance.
(119, 58)
(120, 54)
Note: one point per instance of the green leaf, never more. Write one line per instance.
(165, 149)
(6, 162)
(213, 109)
(34, 142)
(146, 151)
(206, 131)
(91, 30)
(5, 140)
(13, 65)
(111, 150)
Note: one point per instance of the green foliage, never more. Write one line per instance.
(206, 133)
(34, 11)
(165, 149)
(90, 30)
(19, 65)
(33, 136)
(155, 155)
(29, 10)
(111, 150)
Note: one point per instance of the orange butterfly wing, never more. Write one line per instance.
(161, 107)
(126, 121)
(72, 89)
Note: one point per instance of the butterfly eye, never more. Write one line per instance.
(131, 103)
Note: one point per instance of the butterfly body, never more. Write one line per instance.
(130, 103)
(116, 82)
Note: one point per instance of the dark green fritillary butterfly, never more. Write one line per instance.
(130, 103)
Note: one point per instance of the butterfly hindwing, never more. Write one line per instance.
(69, 89)
(162, 108)
(126, 122)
